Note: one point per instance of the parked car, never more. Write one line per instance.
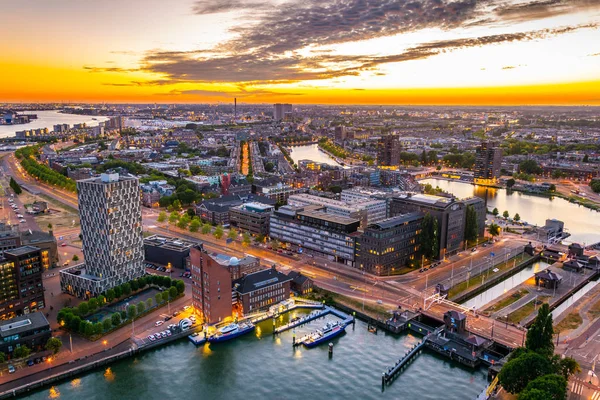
(168, 318)
(151, 338)
(11, 369)
(474, 249)
(168, 333)
(176, 313)
(159, 323)
(30, 363)
(63, 244)
(186, 308)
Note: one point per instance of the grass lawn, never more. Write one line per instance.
(373, 310)
(507, 301)
(475, 280)
(594, 311)
(571, 321)
(521, 313)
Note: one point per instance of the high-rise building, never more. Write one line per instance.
(21, 288)
(340, 133)
(488, 161)
(389, 151)
(281, 111)
(111, 229)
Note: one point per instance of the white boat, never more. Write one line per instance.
(231, 328)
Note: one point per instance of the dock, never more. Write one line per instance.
(198, 338)
(410, 355)
(298, 304)
(346, 319)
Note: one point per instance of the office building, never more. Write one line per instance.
(340, 133)
(449, 213)
(167, 251)
(367, 211)
(389, 245)
(251, 217)
(111, 229)
(310, 228)
(488, 161)
(281, 111)
(389, 148)
(211, 290)
(480, 208)
(21, 288)
(11, 238)
(260, 290)
(31, 330)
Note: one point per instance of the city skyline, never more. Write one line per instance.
(336, 52)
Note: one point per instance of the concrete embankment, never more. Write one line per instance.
(79, 366)
(466, 295)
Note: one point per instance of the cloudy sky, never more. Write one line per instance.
(308, 51)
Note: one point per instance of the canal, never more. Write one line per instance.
(582, 223)
(311, 152)
(261, 366)
(504, 286)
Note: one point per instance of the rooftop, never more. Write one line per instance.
(259, 280)
(23, 323)
(396, 221)
(19, 251)
(168, 242)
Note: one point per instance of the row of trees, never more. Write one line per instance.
(337, 151)
(595, 185)
(15, 186)
(506, 214)
(534, 372)
(194, 224)
(73, 318)
(43, 172)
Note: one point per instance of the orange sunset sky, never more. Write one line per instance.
(314, 51)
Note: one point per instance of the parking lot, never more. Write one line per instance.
(166, 325)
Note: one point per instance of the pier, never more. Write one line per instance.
(410, 355)
(346, 319)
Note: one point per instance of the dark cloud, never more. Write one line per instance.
(240, 93)
(533, 10)
(109, 69)
(221, 6)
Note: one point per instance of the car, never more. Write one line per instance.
(186, 308)
(38, 360)
(163, 334)
(176, 313)
(22, 221)
(421, 270)
(11, 369)
(30, 363)
(63, 244)
(484, 245)
(168, 333)
(379, 302)
(20, 215)
(425, 269)
(172, 326)
(192, 318)
(474, 249)
(159, 323)
(167, 318)
(151, 338)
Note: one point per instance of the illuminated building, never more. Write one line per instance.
(488, 161)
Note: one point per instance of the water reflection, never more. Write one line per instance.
(582, 223)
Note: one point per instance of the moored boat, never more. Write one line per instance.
(329, 331)
(231, 331)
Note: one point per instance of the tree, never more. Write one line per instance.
(516, 374)
(21, 352)
(195, 224)
(110, 295)
(149, 303)
(533, 394)
(246, 239)
(2, 357)
(162, 217)
(557, 174)
(495, 212)
(165, 295)
(206, 228)
(118, 291)
(232, 234)
(131, 311)
(269, 167)
(566, 366)
(75, 257)
(218, 233)
(107, 324)
(126, 288)
(505, 214)
(134, 285)
(158, 298)
(15, 187)
(183, 222)
(88, 328)
(510, 183)
(173, 292)
(530, 167)
(335, 189)
(517, 217)
(116, 319)
(83, 308)
(74, 323)
(54, 344)
(471, 227)
(552, 188)
(177, 205)
(494, 230)
(429, 236)
(93, 304)
(98, 328)
(173, 217)
(141, 307)
(539, 335)
(553, 386)
(180, 286)
(586, 158)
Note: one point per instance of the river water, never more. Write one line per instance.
(261, 366)
(311, 152)
(502, 287)
(47, 119)
(582, 223)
